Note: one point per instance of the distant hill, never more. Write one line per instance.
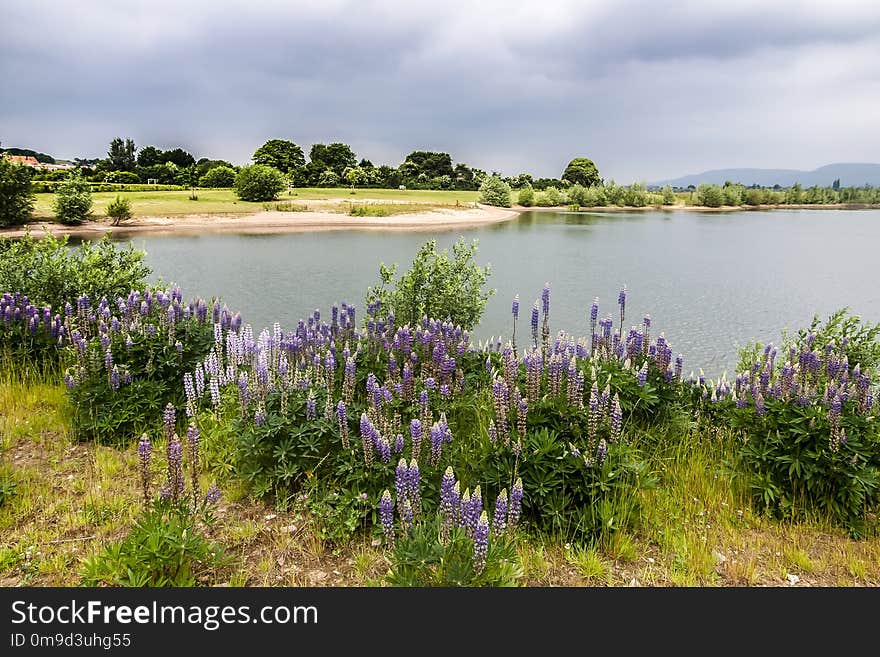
(850, 174)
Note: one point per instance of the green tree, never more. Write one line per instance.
(73, 200)
(668, 195)
(149, 156)
(336, 157)
(16, 197)
(281, 154)
(710, 196)
(119, 210)
(495, 192)
(436, 285)
(582, 170)
(180, 157)
(121, 156)
(221, 176)
(259, 182)
(526, 196)
(328, 178)
(204, 165)
(429, 163)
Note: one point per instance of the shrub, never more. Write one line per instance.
(73, 200)
(494, 191)
(119, 210)
(221, 176)
(286, 206)
(710, 196)
(436, 285)
(614, 193)
(526, 196)
(668, 195)
(578, 196)
(259, 182)
(549, 198)
(732, 194)
(808, 418)
(582, 171)
(123, 378)
(50, 272)
(125, 177)
(16, 195)
(635, 196)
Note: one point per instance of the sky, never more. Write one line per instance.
(648, 90)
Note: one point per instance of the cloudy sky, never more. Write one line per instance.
(647, 89)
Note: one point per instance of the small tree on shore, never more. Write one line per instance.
(495, 192)
(119, 210)
(16, 197)
(259, 182)
(73, 200)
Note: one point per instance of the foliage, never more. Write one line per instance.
(582, 171)
(166, 547)
(280, 154)
(119, 210)
(808, 419)
(123, 177)
(73, 200)
(221, 176)
(16, 196)
(121, 155)
(526, 197)
(258, 182)
(495, 192)
(550, 197)
(668, 195)
(335, 157)
(123, 378)
(421, 558)
(7, 486)
(435, 285)
(51, 273)
(710, 196)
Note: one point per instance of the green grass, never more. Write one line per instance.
(224, 201)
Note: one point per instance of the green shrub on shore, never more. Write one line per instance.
(495, 191)
(119, 210)
(259, 182)
(710, 196)
(221, 176)
(526, 197)
(16, 194)
(73, 200)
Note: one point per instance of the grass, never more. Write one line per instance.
(224, 201)
(67, 501)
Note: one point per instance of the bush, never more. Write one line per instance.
(578, 196)
(49, 272)
(73, 200)
(614, 193)
(582, 171)
(119, 210)
(435, 286)
(526, 196)
(550, 198)
(806, 413)
(16, 195)
(710, 196)
(259, 182)
(124, 177)
(635, 196)
(494, 191)
(668, 195)
(221, 176)
(122, 379)
(732, 194)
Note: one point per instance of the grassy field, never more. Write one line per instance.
(695, 527)
(224, 201)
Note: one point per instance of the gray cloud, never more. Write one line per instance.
(649, 90)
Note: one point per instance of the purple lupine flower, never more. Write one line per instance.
(386, 513)
(499, 518)
(145, 452)
(430, 383)
(481, 542)
(367, 438)
(114, 378)
(493, 432)
(464, 519)
(342, 422)
(535, 317)
(214, 386)
(616, 419)
(516, 496)
(192, 441)
(679, 363)
(448, 502)
(436, 436)
(169, 420)
(175, 482)
(621, 301)
(311, 407)
(545, 299)
(384, 449)
(642, 376)
(212, 497)
(108, 360)
(601, 451)
(413, 482)
(398, 443)
(415, 432)
(514, 309)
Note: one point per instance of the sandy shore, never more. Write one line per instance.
(277, 222)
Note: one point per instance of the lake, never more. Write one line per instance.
(711, 281)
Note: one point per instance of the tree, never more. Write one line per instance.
(119, 210)
(179, 157)
(149, 156)
(328, 178)
(73, 200)
(526, 196)
(205, 165)
(16, 197)
(336, 156)
(432, 164)
(281, 154)
(495, 192)
(121, 156)
(259, 182)
(582, 171)
(221, 176)
(355, 176)
(710, 195)
(668, 195)
(436, 285)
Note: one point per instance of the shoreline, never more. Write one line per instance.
(271, 222)
(268, 222)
